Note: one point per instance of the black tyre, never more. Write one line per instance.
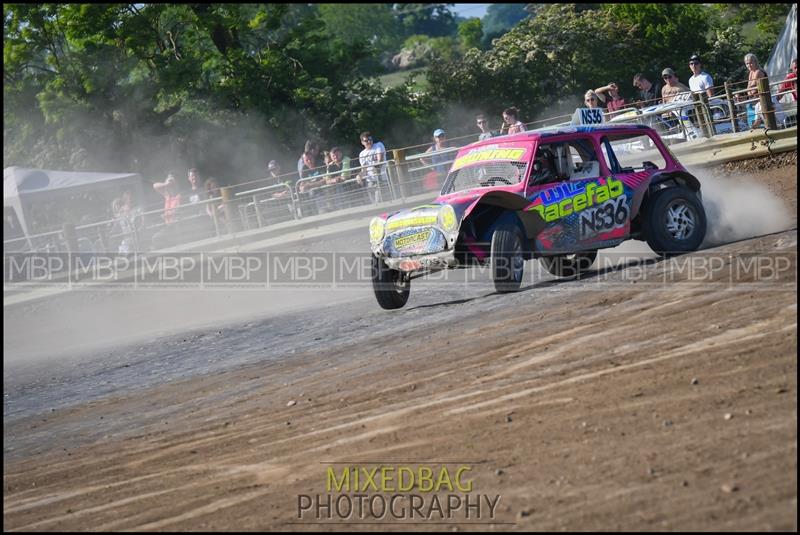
(674, 221)
(507, 260)
(392, 287)
(568, 265)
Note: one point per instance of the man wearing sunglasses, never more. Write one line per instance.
(673, 89)
(700, 80)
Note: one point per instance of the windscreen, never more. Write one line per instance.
(485, 176)
(488, 166)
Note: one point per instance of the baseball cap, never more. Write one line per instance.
(438, 132)
(668, 71)
(696, 58)
(272, 164)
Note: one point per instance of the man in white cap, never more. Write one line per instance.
(441, 162)
(700, 80)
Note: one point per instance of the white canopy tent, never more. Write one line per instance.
(23, 187)
(785, 49)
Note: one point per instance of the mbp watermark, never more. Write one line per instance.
(753, 270)
(397, 493)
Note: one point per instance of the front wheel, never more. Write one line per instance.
(507, 261)
(568, 265)
(392, 287)
(674, 221)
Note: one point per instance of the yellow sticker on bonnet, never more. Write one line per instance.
(412, 238)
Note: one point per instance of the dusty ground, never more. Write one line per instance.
(617, 402)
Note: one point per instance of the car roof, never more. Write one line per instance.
(551, 131)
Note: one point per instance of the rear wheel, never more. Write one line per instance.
(392, 287)
(507, 261)
(568, 265)
(674, 221)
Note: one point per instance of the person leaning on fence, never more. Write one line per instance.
(754, 71)
(372, 159)
(197, 225)
(338, 174)
(440, 162)
(511, 122)
(649, 94)
(308, 166)
(790, 84)
(673, 89)
(700, 80)
(273, 173)
(609, 95)
(483, 124)
(172, 199)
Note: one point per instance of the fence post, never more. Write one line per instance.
(401, 171)
(731, 108)
(698, 112)
(765, 97)
(707, 116)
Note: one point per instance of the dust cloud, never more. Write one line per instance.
(738, 207)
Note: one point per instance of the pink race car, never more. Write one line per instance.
(554, 194)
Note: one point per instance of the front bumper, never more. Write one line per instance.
(434, 261)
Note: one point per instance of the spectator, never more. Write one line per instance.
(649, 94)
(172, 199)
(309, 163)
(130, 222)
(278, 202)
(790, 83)
(700, 80)
(511, 122)
(673, 88)
(755, 72)
(273, 173)
(194, 183)
(338, 169)
(609, 95)
(308, 166)
(483, 124)
(373, 170)
(591, 100)
(433, 179)
(196, 224)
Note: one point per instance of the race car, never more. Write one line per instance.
(556, 194)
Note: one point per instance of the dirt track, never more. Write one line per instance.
(600, 404)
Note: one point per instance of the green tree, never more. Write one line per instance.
(434, 20)
(470, 33)
(500, 18)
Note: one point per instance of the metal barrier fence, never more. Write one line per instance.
(406, 172)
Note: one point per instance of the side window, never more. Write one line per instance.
(629, 153)
(583, 159)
